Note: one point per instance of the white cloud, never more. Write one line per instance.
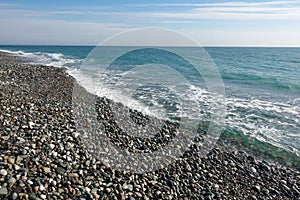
(230, 15)
(287, 10)
(225, 4)
(21, 26)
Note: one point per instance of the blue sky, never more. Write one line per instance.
(211, 23)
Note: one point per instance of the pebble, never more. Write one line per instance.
(128, 187)
(52, 146)
(47, 170)
(283, 182)
(253, 170)
(11, 181)
(21, 183)
(94, 190)
(87, 189)
(60, 170)
(11, 160)
(96, 196)
(216, 186)
(257, 188)
(17, 167)
(31, 124)
(14, 196)
(41, 188)
(73, 175)
(131, 198)
(3, 172)
(36, 188)
(139, 194)
(23, 196)
(3, 191)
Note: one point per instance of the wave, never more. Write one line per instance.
(261, 81)
(48, 59)
(275, 123)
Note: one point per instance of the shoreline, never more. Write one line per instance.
(41, 157)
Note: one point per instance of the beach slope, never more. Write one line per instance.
(43, 157)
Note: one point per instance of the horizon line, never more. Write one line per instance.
(83, 45)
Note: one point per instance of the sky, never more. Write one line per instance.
(210, 23)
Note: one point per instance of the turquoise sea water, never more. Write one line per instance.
(262, 88)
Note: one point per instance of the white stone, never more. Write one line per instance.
(31, 124)
(42, 188)
(3, 172)
(87, 190)
(17, 167)
(217, 186)
(253, 170)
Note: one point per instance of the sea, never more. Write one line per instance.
(261, 85)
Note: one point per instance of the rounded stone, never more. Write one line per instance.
(14, 196)
(11, 181)
(3, 191)
(3, 172)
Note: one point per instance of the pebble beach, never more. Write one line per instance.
(42, 155)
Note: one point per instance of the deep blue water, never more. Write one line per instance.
(262, 88)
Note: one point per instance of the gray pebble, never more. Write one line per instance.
(128, 187)
(3, 191)
(139, 194)
(60, 170)
(14, 196)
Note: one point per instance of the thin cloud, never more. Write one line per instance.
(227, 4)
(269, 10)
(231, 16)
(288, 10)
(55, 32)
(8, 5)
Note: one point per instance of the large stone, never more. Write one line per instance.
(3, 191)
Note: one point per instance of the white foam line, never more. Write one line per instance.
(44, 58)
